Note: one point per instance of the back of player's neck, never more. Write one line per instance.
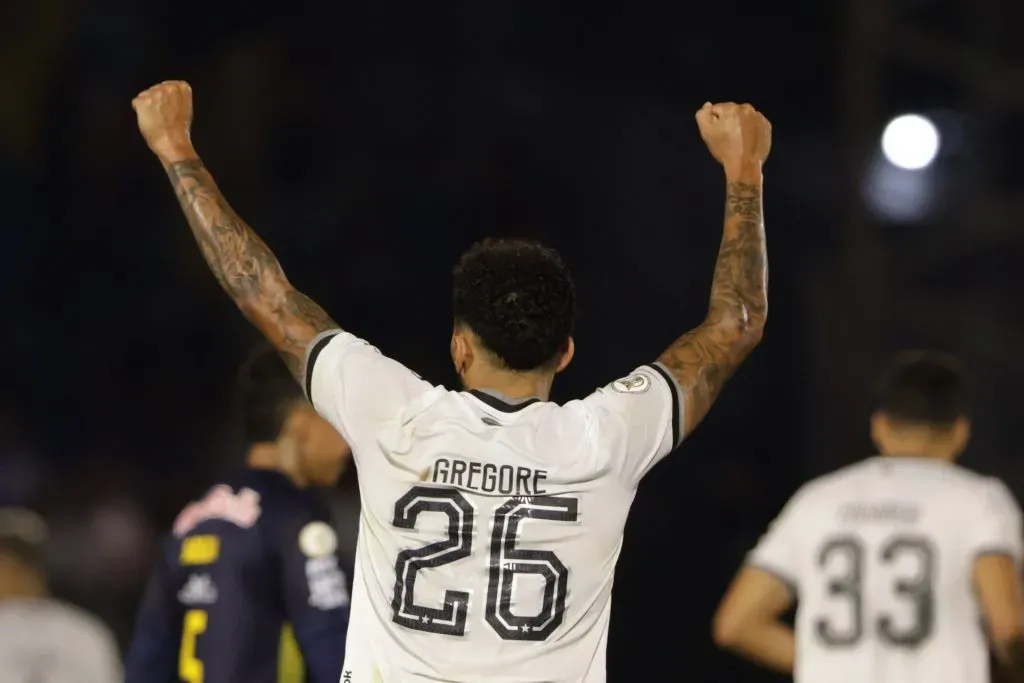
(918, 455)
(514, 386)
(23, 588)
(265, 456)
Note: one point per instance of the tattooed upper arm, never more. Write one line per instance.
(289, 321)
(246, 268)
(703, 359)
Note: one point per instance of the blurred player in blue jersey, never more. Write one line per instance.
(249, 586)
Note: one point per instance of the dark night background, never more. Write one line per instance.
(369, 142)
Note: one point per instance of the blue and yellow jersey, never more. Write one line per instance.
(249, 587)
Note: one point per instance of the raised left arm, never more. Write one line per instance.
(242, 262)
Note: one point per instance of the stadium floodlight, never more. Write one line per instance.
(911, 142)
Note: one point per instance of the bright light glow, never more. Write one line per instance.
(910, 142)
(896, 194)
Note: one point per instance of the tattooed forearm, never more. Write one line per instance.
(704, 358)
(245, 267)
(739, 291)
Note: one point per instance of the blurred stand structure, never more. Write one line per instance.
(946, 275)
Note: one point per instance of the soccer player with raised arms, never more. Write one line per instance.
(492, 518)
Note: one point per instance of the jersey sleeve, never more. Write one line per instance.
(354, 386)
(1000, 527)
(778, 550)
(153, 653)
(105, 659)
(316, 593)
(640, 418)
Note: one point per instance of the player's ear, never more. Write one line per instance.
(960, 435)
(293, 440)
(297, 423)
(462, 351)
(289, 458)
(567, 354)
(879, 430)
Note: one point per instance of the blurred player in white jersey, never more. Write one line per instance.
(901, 564)
(491, 518)
(43, 640)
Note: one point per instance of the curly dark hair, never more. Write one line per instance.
(925, 387)
(518, 297)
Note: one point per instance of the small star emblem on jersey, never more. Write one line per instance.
(634, 384)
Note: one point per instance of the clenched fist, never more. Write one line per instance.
(165, 116)
(737, 135)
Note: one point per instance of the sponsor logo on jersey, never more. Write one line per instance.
(198, 590)
(634, 384)
(196, 550)
(317, 539)
(328, 588)
(241, 509)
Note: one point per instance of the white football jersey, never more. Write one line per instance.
(881, 556)
(489, 528)
(48, 642)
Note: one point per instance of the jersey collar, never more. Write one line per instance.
(911, 460)
(501, 402)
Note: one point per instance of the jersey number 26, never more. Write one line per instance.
(506, 560)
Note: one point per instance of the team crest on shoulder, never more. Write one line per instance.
(634, 384)
(317, 539)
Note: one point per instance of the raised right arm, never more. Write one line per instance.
(242, 262)
(703, 359)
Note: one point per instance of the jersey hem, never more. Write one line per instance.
(782, 576)
(997, 550)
